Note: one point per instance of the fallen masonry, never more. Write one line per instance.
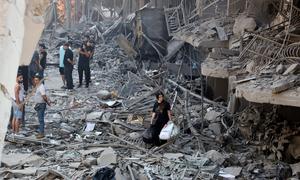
(229, 69)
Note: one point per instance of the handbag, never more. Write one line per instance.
(169, 130)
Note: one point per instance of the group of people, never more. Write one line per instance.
(32, 76)
(18, 104)
(67, 62)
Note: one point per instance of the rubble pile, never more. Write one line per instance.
(99, 130)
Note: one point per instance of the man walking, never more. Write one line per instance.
(68, 66)
(84, 65)
(41, 100)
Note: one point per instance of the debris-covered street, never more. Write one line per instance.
(173, 89)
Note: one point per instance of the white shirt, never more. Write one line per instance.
(40, 92)
(21, 93)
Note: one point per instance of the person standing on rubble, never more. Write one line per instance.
(41, 100)
(61, 65)
(91, 47)
(84, 65)
(43, 59)
(68, 66)
(161, 114)
(18, 103)
(34, 66)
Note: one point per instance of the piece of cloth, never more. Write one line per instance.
(61, 56)
(61, 71)
(68, 55)
(39, 93)
(161, 119)
(41, 115)
(69, 77)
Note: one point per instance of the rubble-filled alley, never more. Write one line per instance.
(229, 70)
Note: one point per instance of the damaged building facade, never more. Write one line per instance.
(229, 68)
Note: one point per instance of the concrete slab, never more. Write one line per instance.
(14, 159)
(254, 92)
(219, 68)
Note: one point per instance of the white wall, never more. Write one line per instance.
(21, 25)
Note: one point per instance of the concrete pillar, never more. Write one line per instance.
(21, 25)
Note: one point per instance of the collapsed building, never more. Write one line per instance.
(229, 67)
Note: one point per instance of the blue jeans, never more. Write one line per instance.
(41, 116)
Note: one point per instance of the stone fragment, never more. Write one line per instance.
(94, 115)
(216, 128)
(235, 171)
(290, 70)
(174, 156)
(90, 161)
(107, 157)
(243, 23)
(212, 115)
(215, 156)
(74, 165)
(280, 69)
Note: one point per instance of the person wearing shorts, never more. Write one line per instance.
(61, 65)
(18, 104)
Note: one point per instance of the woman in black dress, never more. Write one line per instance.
(161, 114)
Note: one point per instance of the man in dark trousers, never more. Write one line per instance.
(34, 67)
(90, 47)
(68, 63)
(43, 57)
(84, 65)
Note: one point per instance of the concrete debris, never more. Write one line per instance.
(280, 69)
(10, 160)
(291, 69)
(212, 115)
(174, 156)
(94, 115)
(216, 128)
(230, 172)
(284, 84)
(243, 24)
(204, 58)
(215, 156)
(107, 157)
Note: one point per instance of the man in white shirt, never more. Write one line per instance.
(41, 100)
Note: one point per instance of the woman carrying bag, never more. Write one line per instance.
(161, 115)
